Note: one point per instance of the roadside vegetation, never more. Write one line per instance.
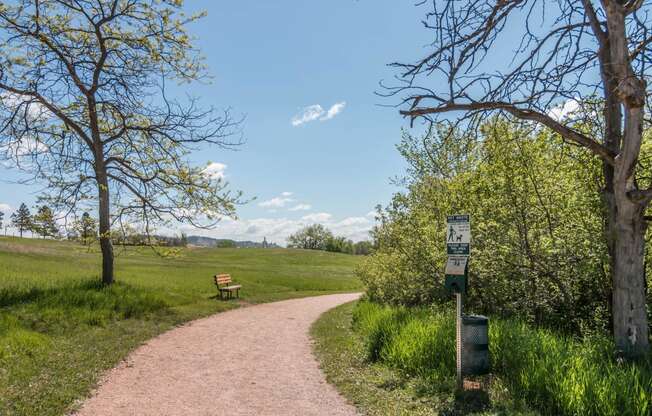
(555, 374)
(379, 388)
(539, 269)
(60, 328)
(537, 250)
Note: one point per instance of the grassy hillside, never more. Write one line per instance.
(59, 329)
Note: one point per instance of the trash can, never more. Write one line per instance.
(475, 345)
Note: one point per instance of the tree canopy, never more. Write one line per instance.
(84, 107)
(22, 219)
(582, 51)
(535, 217)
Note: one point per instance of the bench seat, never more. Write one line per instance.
(234, 287)
(225, 284)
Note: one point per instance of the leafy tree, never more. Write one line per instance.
(22, 219)
(534, 250)
(362, 248)
(43, 222)
(563, 49)
(336, 244)
(86, 228)
(2, 216)
(225, 244)
(84, 102)
(312, 237)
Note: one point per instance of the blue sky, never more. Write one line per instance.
(276, 61)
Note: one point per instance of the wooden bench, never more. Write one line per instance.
(223, 283)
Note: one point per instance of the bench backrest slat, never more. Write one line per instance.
(222, 279)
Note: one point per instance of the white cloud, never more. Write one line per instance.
(564, 110)
(301, 207)
(277, 230)
(352, 221)
(215, 170)
(5, 208)
(308, 114)
(318, 217)
(278, 202)
(334, 110)
(26, 104)
(25, 147)
(317, 112)
(286, 194)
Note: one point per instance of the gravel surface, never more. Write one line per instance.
(250, 361)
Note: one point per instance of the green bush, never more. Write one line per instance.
(537, 249)
(553, 373)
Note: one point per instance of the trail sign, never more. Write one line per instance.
(456, 273)
(458, 235)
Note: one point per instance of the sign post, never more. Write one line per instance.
(458, 248)
(458, 340)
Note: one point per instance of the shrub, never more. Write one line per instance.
(536, 221)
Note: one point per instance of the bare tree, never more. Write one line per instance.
(84, 108)
(563, 50)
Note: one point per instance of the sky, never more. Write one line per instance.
(319, 143)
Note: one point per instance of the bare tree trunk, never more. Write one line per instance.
(105, 231)
(612, 140)
(629, 303)
(630, 321)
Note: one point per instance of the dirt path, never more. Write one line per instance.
(249, 361)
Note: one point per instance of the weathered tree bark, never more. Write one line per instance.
(629, 303)
(612, 139)
(105, 230)
(103, 190)
(629, 297)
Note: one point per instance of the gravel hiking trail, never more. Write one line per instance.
(255, 360)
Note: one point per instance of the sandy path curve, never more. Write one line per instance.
(249, 361)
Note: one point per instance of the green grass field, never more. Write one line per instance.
(60, 329)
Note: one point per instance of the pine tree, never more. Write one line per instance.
(44, 224)
(22, 219)
(86, 228)
(2, 216)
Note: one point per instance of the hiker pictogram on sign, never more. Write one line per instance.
(458, 235)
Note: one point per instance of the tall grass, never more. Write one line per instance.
(555, 374)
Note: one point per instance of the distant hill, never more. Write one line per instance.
(200, 241)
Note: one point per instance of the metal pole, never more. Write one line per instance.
(458, 314)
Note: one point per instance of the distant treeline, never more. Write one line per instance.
(227, 243)
(84, 229)
(318, 237)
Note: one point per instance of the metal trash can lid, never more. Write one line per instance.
(475, 320)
